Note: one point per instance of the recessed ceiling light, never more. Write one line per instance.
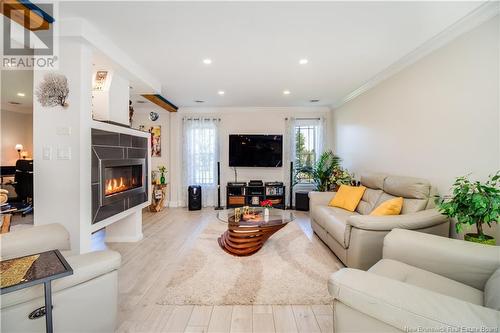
(199, 101)
(303, 61)
(20, 94)
(314, 100)
(286, 92)
(221, 92)
(207, 61)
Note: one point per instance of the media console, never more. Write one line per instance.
(240, 194)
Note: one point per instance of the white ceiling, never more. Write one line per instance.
(256, 47)
(12, 83)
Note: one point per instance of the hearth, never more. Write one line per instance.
(119, 173)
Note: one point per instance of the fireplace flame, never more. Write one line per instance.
(116, 185)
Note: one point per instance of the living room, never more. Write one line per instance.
(250, 167)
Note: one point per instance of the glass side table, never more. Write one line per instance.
(35, 269)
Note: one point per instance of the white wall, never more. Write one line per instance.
(15, 127)
(236, 120)
(141, 117)
(437, 119)
(62, 186)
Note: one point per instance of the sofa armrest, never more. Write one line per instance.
(320, 198)
(34, 240)
(466, 262)
(419, 220)
(85, 267)
(405, 306)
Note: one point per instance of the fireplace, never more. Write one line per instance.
(119, 173)
(121, 178)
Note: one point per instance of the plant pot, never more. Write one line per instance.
(475, 239)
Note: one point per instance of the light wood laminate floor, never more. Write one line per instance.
(148, 265)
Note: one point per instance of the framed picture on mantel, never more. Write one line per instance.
(155, 141)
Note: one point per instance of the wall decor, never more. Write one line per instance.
(53, 90)
(100, 80)
(130, 112)
(154, 116)
(155, 141)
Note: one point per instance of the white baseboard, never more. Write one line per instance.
(174, 204)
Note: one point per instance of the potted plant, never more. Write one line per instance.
(473, 202)
(322, 170)
(340, 176)
(267, 204)
(163, 171)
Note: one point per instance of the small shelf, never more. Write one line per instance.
(242, 192)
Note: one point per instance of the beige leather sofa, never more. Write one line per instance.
(424, 283)
(355, 237)
(83, 302)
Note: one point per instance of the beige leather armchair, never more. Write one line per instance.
(356, 238)
(83, 302)
(423, 283)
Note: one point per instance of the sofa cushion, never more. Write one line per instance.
(333, 220)
(348, 197)
(492, 291)
(427, 280)
(413, 205)
(368, 201)
(407, 187)
(373, 180)
(389, 207)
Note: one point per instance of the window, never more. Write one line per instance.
(307, 146)
(202, 153)
(200, 156)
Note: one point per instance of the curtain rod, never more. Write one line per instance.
(318, 118)
(218, 119)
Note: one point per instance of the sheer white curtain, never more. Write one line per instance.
(200, 157)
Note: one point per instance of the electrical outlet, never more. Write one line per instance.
(63, 130)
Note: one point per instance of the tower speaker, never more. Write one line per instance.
(218, 187)
(194, 197)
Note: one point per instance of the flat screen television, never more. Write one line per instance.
(255, 150)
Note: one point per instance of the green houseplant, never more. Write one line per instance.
(321, 171)
(340, 176)
(473, 202)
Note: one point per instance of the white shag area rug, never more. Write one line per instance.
(289, 269)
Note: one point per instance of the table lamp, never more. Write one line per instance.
(19, 147)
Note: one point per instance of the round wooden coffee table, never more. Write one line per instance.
(247, 236)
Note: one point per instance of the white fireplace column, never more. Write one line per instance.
(128, 229)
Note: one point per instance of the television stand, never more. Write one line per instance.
(243, 194)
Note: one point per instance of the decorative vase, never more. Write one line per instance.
(266, 212)
(488, 240)
(162, 178)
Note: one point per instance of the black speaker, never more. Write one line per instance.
(194, 197)
(218, 187)
(302, 200)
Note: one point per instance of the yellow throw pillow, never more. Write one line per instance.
(348, 197)
(389, 207)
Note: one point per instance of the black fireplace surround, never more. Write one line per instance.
(119, 173)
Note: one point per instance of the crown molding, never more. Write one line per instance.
(478, 16)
